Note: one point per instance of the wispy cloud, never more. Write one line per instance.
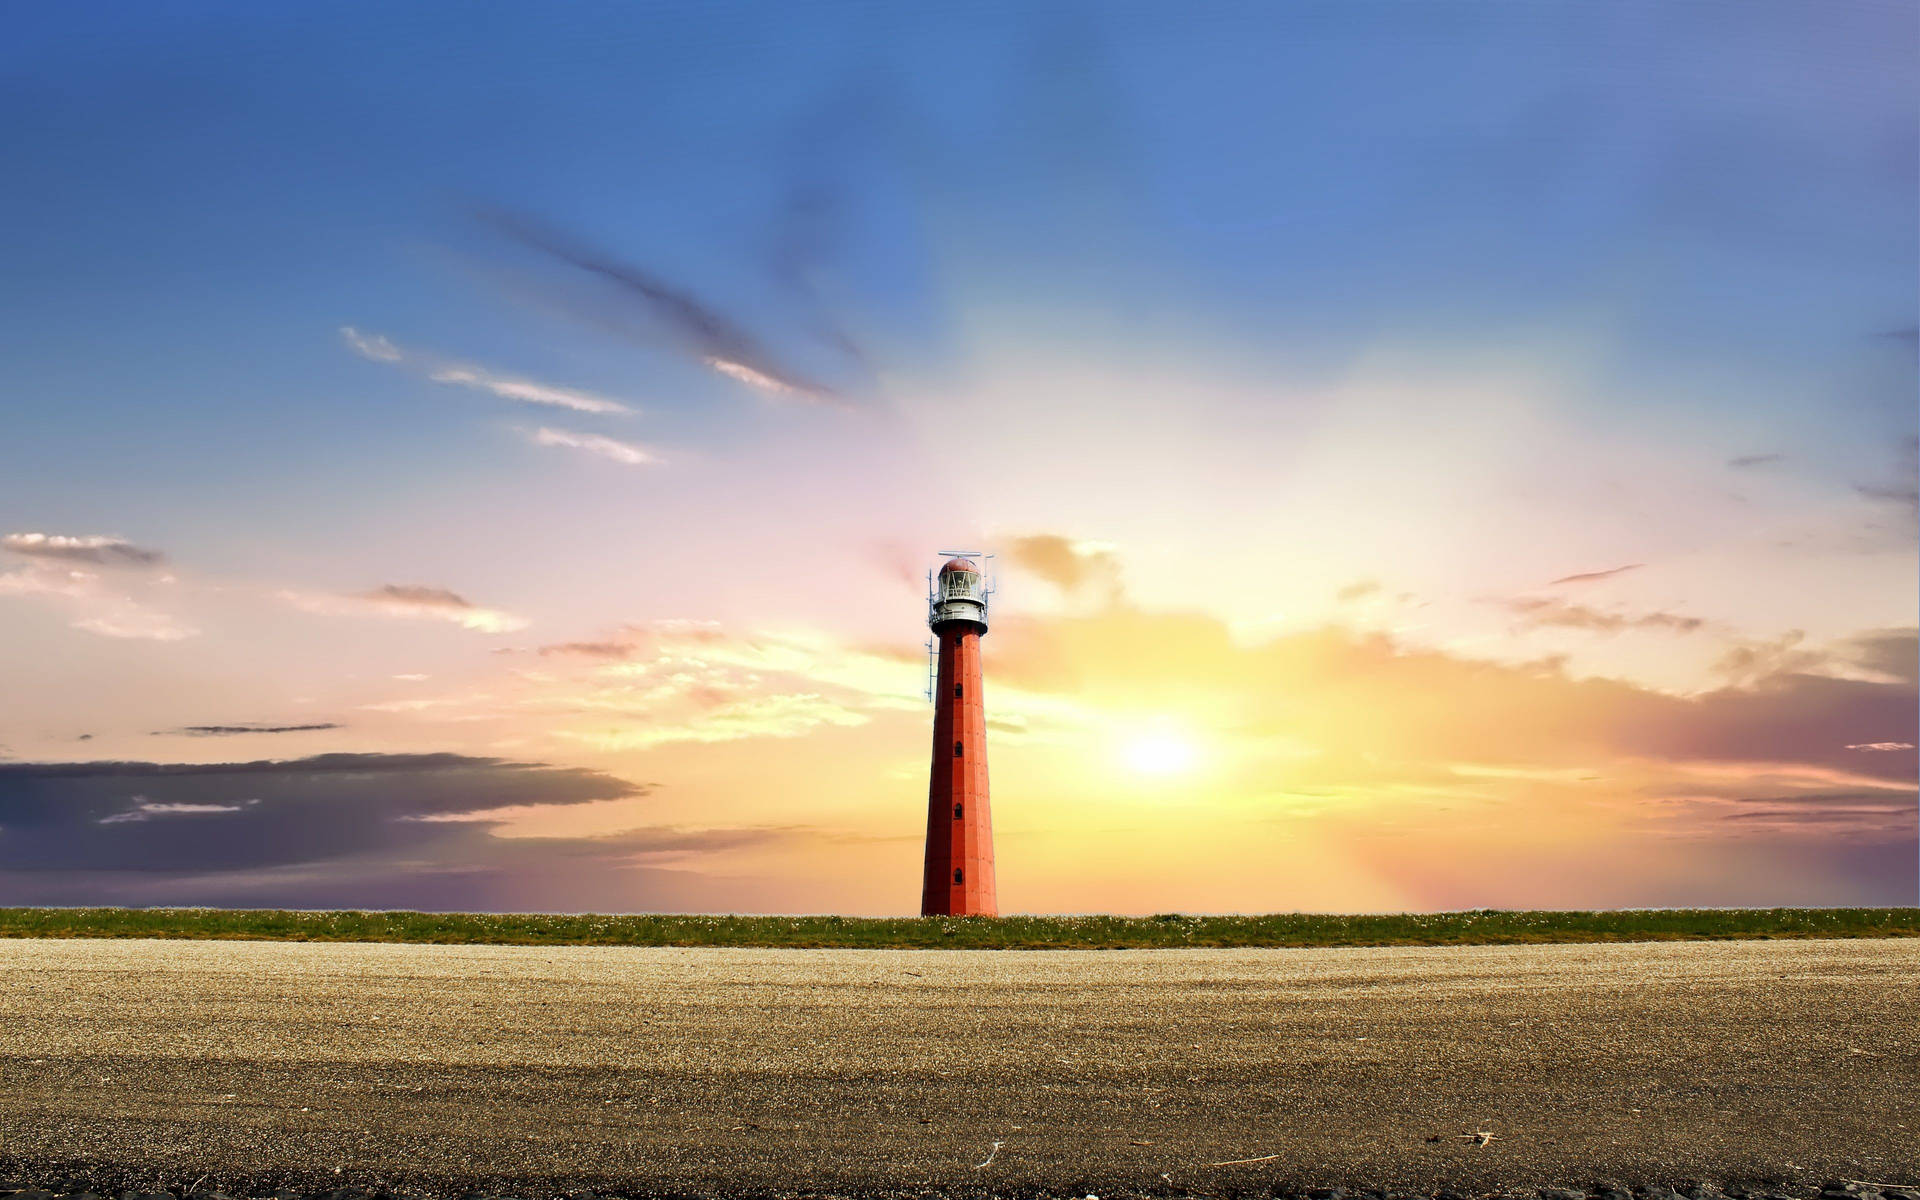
(372, 345)
(754, 378)
(678, 681)
(143, 809)
(1906, 495)
(1752, 660)
(1748, 461)
(777, 716)
(412, 601)
(630, 453)
(95, 549)
(1595, 576)
(1903, 487)
(137, 624)
(96, 607)
(527, 391)
(378, 348)
(1540, 611)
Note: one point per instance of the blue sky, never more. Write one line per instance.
(1257, 302)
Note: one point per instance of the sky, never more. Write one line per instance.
(487, 456)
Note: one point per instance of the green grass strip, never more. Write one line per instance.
(967, 933)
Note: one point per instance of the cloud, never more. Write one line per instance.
(1595, 576)
(348, 830)
(692, 325)
(1539, 612)
(1750, 661)
(1881, 747)
(1369, 698)
(621, 452)
(94, 606)
(1886, 653)
(409, 601)
(1367, 709)
(1357, 590)
(1413, 764)
(231, 730)
(507, 387)
(1072, 566)
(101, 551)
(1747, 461)
(59, 816)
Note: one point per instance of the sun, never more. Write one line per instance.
(1161, 752)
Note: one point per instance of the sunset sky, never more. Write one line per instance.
(487, 456)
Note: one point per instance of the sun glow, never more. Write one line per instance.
(1161, 752)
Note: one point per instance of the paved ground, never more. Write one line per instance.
(649, 1070)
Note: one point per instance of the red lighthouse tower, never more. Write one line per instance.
(959, 873)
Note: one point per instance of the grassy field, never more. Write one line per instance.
(977, 933)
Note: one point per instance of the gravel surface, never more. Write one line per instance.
(1749, 1067)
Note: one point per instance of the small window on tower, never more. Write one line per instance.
(956, 749)
(959, 875)
(957, 810)
(956, 691)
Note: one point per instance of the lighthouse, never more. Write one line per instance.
(959, 872)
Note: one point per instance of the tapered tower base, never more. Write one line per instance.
(959, 870)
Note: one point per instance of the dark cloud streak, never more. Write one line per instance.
(690, 323)
(229, 730)
(588, 649)
(423, 597)
(1595, 576)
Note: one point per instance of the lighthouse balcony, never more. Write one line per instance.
(969, 609)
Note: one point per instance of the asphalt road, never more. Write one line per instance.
(535, 1070)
